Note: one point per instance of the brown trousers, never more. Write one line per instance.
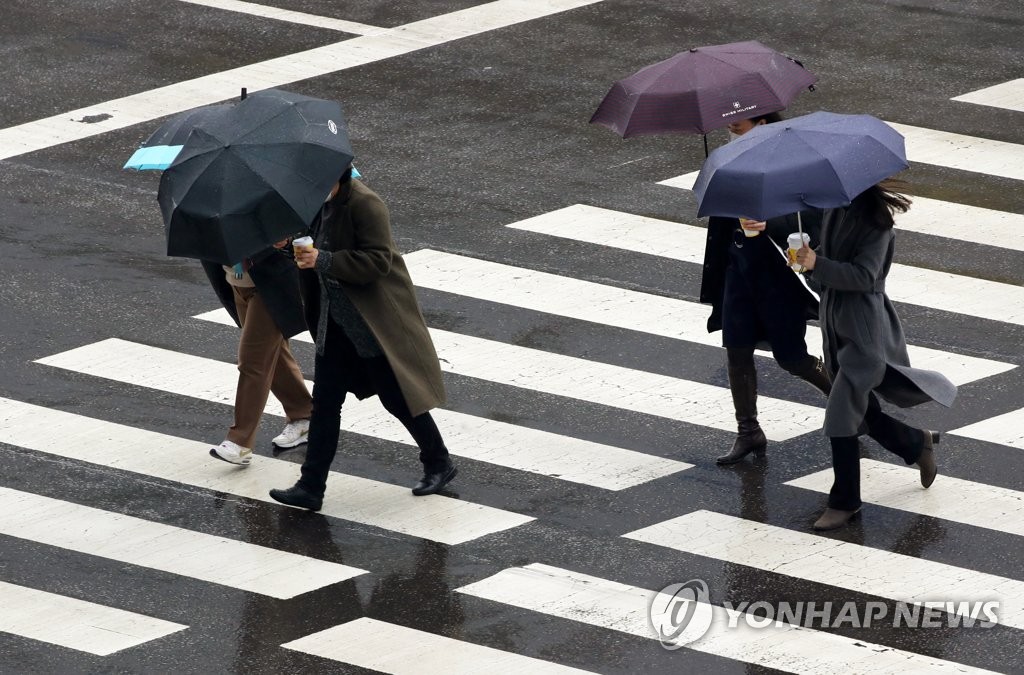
(265, 364)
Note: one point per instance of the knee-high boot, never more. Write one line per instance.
(810, 369)
(743, 385)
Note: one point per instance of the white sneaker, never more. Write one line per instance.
(232, 452)
(294, 434)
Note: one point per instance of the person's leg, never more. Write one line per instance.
(912, 445)
(258, 350)
(289, 387)
(743, 386)
(783, 318)
(329, 392)
(844, 497)
(438, 468)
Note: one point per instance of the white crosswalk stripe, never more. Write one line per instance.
(912, 285)
(1008, 95)
(486, 440)
(76, 624)
(1006, 429)
(835, 563)
(953, 499)
(219, 560)
(359, 500)
(389, 648)
(623, 308)
(609, 604)
(937, 218)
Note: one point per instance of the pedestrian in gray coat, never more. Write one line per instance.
(865, 351)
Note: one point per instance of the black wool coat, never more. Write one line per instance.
(277, 282)
(721, 232)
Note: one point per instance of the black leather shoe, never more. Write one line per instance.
(433, 482)
(298, 496)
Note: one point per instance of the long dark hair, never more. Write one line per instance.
(879, 203)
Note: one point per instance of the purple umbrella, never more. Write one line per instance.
(821, 160)
(703, 89)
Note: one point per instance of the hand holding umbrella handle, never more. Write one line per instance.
(806, 257)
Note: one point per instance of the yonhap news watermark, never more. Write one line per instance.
(681, 613)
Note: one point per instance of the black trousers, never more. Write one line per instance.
(901, 439)
(330, 388)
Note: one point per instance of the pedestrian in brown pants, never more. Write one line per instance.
(262, 295)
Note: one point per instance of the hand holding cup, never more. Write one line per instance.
(305, 253)
(751, 227)
(805, 257)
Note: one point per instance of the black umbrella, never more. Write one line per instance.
(249, 174)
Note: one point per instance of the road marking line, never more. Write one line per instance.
(840, 564)
(218, 560)
(360, 500)
(499, 443)
(937, 218)
(76, 624)
(1008, 95)
(292, 17)
(614, 386)
(608, 604)
(1005, 429)
(389, 648)
(622, 308)
(966, 153)
(956, 499)
(162, 101)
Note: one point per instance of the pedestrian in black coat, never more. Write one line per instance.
(757, 301)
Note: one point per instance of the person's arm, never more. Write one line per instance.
(858, 274)
(372, 252)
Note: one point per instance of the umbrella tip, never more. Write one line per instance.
(244, 94)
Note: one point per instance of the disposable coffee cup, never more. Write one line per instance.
(302, 243)
(746, 232)
(796, 241)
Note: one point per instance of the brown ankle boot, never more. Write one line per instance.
(750, 437)
(833, 519)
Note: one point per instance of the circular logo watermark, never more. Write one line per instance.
(680, 613)
(332, 126)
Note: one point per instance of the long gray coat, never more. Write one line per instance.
(864, 345)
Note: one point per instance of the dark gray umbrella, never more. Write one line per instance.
(703, 89)
(821, 160)
(250, 174)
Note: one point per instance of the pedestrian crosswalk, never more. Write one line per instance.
(621, 607)
(76, 624)
(499, 547)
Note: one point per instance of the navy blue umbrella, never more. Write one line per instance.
(821, 160)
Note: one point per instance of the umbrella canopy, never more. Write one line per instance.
(703, 89)
(821, 160)
(163, 146)
(249, 174)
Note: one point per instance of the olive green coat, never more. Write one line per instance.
(371, 272)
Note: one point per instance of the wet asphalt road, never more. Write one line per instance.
(461, 139)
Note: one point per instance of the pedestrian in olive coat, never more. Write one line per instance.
(370, 335)
(865, 351)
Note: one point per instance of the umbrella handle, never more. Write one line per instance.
(705, 146)
(799, 225)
